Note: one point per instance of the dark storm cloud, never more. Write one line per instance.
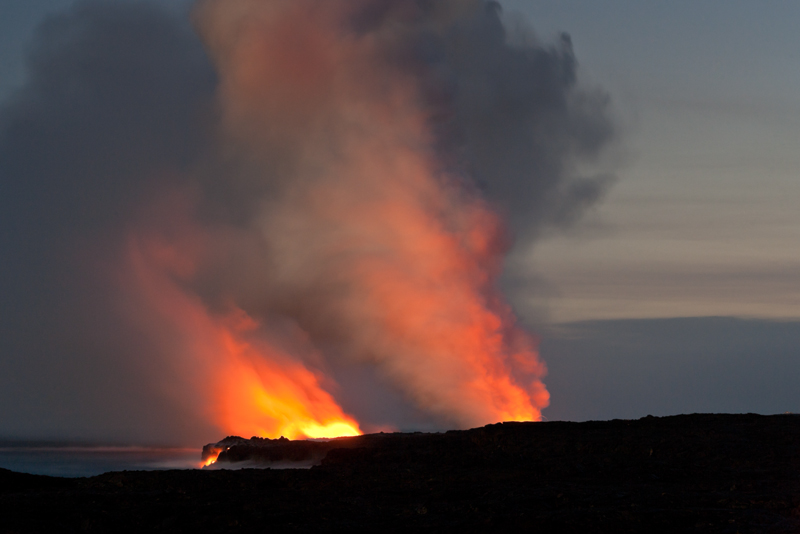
(116, 103)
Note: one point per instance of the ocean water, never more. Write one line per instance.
(71, 461)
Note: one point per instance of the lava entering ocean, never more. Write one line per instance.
(211, 459)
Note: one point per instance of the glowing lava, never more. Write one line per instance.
(212, 458)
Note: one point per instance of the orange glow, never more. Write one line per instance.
(263, 393)
(367, 250)
(374, 243)
(248, 387)
(211, 459)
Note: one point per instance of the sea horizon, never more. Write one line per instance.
(65, 459)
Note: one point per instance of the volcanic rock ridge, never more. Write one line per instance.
(699, 473)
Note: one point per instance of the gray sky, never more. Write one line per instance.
(703, 219)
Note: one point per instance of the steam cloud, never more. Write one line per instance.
(204, 237)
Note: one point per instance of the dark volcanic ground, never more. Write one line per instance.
(705, 473)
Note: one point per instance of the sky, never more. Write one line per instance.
(675, 291)
(701, 221)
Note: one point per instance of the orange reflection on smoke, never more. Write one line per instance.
(403, 259)
(263, 393)
(244, 384)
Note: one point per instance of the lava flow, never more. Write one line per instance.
(211, 458)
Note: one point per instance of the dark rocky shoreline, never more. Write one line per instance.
(688, 473)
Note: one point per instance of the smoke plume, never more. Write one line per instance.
(223, 232)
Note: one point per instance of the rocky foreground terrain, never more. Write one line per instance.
(703, 473)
